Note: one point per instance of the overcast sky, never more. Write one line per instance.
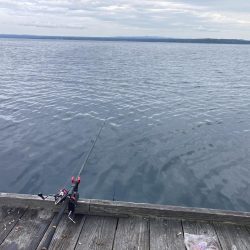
(180, 19)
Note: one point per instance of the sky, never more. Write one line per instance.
(176, 18)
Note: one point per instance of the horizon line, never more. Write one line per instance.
(131, 38)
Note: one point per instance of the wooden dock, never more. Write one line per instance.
(25, 221)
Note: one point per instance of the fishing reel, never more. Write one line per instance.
(59, 197)
(71, 197)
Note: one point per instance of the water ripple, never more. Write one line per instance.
(177, 128)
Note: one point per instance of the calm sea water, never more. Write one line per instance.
(177, 130)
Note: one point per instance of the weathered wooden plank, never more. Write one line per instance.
(132, 233)
(46, 233)
(8, 219)
(163, 211)
(29, 230)
(232, 236)
(201, 228)
(197, 227)
(66, 234)
(166, 234)
(97, 233)
(125, 209)
(248, 229)
(33, 201)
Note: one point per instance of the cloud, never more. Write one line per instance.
(53, 26)
(114, 17)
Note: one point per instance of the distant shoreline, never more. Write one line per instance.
(131, 39)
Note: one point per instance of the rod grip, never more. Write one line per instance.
(49, 237)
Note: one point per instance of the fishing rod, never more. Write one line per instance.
(68, 198)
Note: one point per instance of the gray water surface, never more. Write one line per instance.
(177, 130)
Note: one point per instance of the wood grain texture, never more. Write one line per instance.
(132, 233)
(248, 229)
(123, 209)
(9, 217)
(28, 226)
(29, 230)
(35, 202)
(97, 233)
(233, 237)
(46, 233)
(195, 227)
(166, 234)
(126, 209)
(67, 233)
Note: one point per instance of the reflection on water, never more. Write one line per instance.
(177, 130)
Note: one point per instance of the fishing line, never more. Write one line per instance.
(68, 198)
(89, 153)
(91, 149)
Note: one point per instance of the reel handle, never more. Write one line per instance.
(41, 196)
